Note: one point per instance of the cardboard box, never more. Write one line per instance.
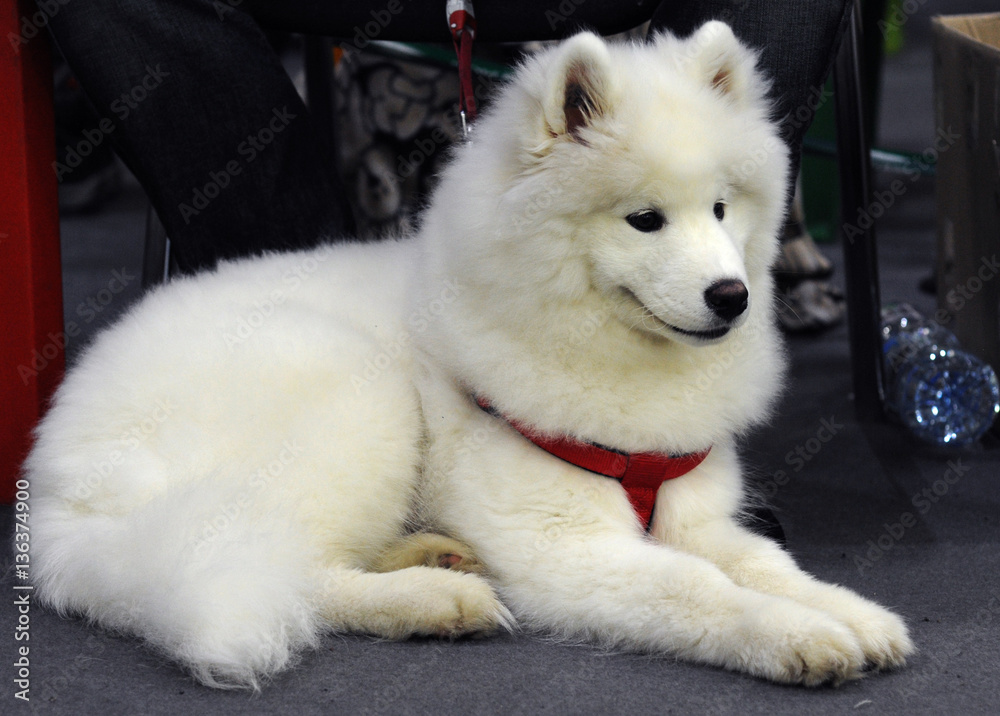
(967, 112)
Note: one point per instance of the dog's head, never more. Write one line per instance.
(650, 174)
(613, 223)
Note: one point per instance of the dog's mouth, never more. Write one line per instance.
(658, 324)
(709, 335)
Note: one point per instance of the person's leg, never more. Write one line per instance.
(198, 105)
(196, 102)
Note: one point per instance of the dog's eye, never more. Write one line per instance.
(647, 220)
(720, 210)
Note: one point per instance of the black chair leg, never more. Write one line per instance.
(156, 252)
(319, 82)
(860, 260)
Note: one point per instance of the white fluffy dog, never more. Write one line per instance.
(229, 470)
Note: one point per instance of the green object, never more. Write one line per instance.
(908, 163)
(437, 54)
(820, 185)
(892, 28)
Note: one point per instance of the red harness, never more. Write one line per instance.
(641, 473)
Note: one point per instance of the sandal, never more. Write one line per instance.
(800, 259)
(810, 306)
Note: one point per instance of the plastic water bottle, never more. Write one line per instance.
(944, 395)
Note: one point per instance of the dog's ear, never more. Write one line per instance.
(579, 86)
(718, 59)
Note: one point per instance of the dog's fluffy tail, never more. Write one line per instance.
(232, 604)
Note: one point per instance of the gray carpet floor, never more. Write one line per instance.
(843, 510)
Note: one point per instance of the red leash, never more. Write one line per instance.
(640, 473)
(462, 23)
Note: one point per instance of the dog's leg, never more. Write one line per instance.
(428, 550)
(695, 516)
(567, 557)
(409, 602)
(616, 588)
(758, 563)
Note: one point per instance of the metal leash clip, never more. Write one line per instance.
(462, 24)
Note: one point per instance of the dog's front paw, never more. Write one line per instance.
(452, 605)
(884, 637)
(882, 634)
(794, 644)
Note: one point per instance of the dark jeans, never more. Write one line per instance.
(197, 103)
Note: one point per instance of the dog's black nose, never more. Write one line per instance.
(727, 298)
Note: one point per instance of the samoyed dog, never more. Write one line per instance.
(297, 444)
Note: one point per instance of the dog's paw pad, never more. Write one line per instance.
(449, 560)
(425, 549)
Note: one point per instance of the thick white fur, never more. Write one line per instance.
(223, 466)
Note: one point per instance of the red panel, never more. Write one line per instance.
(31, 339)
